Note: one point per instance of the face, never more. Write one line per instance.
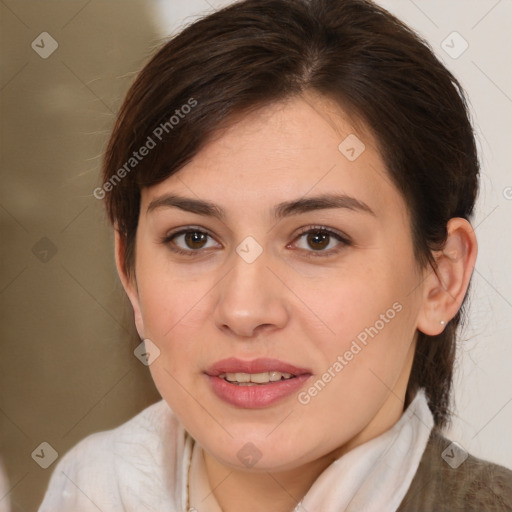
(276, 275)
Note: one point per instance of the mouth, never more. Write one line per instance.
(256, 383)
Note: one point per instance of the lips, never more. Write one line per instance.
(262, 365)
(255, 395)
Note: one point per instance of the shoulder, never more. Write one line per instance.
(449, 479)
(134, 465)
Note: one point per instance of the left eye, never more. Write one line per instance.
(319, 240)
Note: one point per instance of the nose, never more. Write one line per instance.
(251, 300)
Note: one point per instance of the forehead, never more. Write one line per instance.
(305, 145)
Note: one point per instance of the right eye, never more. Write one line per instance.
(189, 241)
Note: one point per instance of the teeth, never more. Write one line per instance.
(275, 376)
(260, 378)
(255, 378)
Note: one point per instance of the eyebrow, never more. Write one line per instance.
(281, 210)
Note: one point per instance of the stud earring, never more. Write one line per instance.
(442, 322)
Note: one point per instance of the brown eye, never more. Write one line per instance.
(190, 242)
(195, 239)
(318, 240)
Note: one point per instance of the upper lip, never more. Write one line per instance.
(260, 365)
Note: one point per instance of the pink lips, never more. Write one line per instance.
(258, 396)
(234, 365)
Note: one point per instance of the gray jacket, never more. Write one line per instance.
(474, 485)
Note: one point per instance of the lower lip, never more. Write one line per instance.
(257, 396)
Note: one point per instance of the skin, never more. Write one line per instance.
(303, 310)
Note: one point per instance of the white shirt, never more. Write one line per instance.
(143, 465)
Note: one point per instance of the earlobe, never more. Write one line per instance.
(128, 281)
(445, 287)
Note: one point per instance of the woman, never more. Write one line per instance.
(291, 185)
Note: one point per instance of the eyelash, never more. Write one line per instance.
(343, 239)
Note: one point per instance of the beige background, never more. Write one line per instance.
(67, 367)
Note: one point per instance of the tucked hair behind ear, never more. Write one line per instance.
(256, 52)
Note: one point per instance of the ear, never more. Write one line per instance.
(129, 281)
(444, 287)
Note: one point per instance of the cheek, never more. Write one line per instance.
(348, 303)
(172, 313)
(357, 374)
(368, 324)
(169, 300)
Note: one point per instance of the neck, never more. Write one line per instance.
(249, 491)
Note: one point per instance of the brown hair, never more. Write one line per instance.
(256, 52)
